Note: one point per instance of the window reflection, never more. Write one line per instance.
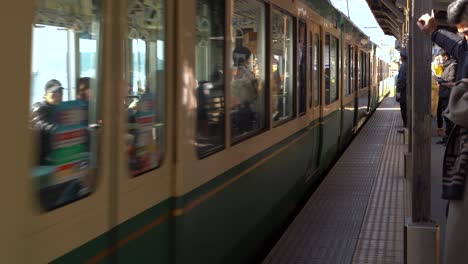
(346, 70)
(331, 69)
(209, 72)
(351, 67)
(146, 90)
(63, 100)
(316, 70)
(282, 64)
(248, 69)
(302, 60)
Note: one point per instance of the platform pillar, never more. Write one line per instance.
(408, 165)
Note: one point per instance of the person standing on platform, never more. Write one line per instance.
(455, 166)
(448, 76)
(454, 44)
(437, 69)
(401, 87)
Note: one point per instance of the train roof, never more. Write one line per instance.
(331, 13)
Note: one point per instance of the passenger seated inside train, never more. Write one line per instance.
(244, 93)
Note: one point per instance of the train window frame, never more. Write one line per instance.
(310, 59)
(331, 38)
(301, 90)
(317, 68)
(80, 111)
(293, 19)
(229, 87)
(346, 70)
(360, 73)
(364, 70)
(369, 71)
(149, 100)
(201, 154)
(352, 69)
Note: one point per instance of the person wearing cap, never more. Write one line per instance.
(401, 87)
(43, 117)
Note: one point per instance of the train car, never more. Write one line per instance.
(183, 131)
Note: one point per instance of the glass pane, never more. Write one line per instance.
(209, 69)
(351, 68)
(334, 70)
(346, 71)
(371, 71)
(364, 70)
(302, 60)
(316, 70)
(63, 99)
(282, 65)
(327, 69)
(311, 75)
(248, 66)
(146, 86)
(359, 70)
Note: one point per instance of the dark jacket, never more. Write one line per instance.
(456, 46)
(43, 121)
(401, 82)
(449, 75)
(455, 166)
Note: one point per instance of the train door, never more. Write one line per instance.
(143, 204)
(15, 19)
(66, 148)
(348, 94)
(315, 92)
(362, 88)
(331, 103)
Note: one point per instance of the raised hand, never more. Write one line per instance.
(427, 23)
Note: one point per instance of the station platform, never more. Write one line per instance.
(357, 214)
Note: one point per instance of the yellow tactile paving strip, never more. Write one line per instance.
(381, 236)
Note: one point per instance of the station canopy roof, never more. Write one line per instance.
(390, 14)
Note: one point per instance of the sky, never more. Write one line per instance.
(361, 15)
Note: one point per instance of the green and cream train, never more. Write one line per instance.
(182, 131)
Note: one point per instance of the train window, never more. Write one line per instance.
(64, 90)
(316, 70)
(359, 70)
(331, 69)
(371, 69)
(346, 70)
(364, 70)
(145, 95)
(248, 65)
(311, 58)
(302, 60)
(282, 66)
(351, 68)
(209, 69)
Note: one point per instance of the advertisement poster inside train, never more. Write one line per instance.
(70, 141)
(143, 154)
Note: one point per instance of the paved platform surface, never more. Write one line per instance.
(357, 213)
